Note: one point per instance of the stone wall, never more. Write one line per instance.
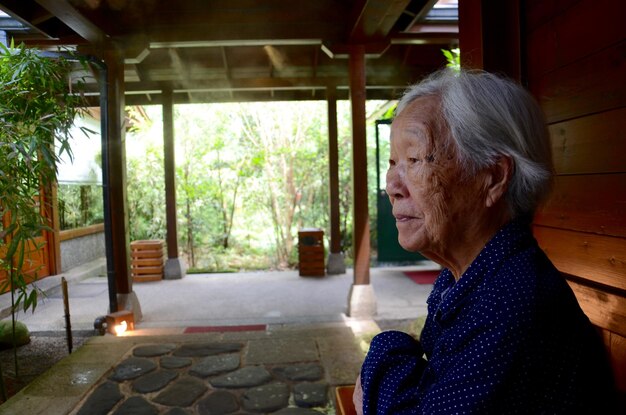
(78, 251)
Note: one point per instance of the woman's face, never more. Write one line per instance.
(431, 200)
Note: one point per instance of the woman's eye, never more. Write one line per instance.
(413, 160)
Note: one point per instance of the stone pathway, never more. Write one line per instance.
(284, 372)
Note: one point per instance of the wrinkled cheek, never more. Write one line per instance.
(437, 213)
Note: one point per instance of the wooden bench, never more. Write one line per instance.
(343, 398)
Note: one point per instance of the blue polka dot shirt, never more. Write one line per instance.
(508, 338)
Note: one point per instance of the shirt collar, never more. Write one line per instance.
(504, 243)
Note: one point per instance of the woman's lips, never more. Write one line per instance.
(404, 218)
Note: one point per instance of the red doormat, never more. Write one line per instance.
(423, 277)
(210, 329)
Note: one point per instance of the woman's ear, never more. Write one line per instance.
(498, 178)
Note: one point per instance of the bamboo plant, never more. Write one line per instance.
(38, 104)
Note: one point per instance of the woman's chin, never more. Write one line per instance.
(411, 245)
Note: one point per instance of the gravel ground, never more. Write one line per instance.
(44, 350)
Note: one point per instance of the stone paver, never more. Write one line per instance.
(102, 400)
(183, 392)
(206, 349)
(297, 411)
(174, 362)
(154, 381)
(218, 403)
(178, 411)
(306, 371)
(266, 398)
(242, 378)
(137, 405)
(291, 350)
(309, 395)
(213, 365)
(132, 368)
(286, 372)
(152, 350)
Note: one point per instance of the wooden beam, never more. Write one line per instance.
(399, 80)
(605, 309)
(375, 19)
(593, 257)
(65, 12)
(361, 225)
(80, 232)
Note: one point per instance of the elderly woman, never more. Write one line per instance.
(470, 161)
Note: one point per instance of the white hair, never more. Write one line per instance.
(490, 116)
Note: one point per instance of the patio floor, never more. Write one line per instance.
(269, 342)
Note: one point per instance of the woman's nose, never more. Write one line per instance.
(396, 189)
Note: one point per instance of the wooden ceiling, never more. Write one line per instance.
(244, 50)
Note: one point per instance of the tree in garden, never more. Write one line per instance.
(145, 172)
(202, 197)
(249, 176)
(289, 139)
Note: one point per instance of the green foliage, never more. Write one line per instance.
(37, 111)
(80, 205)
(453, 56)
(146, 195)
(248, 177)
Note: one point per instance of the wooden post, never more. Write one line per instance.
(336, 263)
(361, 233)
(362, 300)
(170, 184)
(68, 321)
(173, 268)
(490, 36)
(116, 129)
(117, 169)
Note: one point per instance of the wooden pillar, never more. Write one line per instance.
(170, 184)
(336, 263)
(361, 231)
(361, 300)
(490, 36)
(173, 268)
(118, 206)
(333, 161)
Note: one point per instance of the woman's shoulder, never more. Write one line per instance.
(529, 282)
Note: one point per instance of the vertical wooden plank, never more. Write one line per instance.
(117, 170)
(170, 172)
(501, 38)
(361, 233)
(489, 36)
(333, 167)
(618, 361)
(53, 240)
(471, 34)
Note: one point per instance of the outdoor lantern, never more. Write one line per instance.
(120, 322)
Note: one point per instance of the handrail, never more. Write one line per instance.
(79, 232)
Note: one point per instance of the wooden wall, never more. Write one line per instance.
(574, 62)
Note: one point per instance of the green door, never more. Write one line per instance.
(389, 250)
